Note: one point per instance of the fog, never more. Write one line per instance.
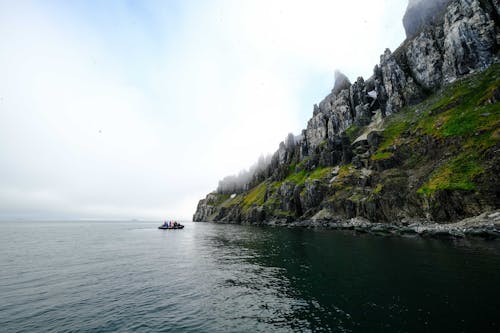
(421, 13)
(136, 110)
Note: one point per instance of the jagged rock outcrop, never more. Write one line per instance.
(396, 85)
(425, 57)
(471, 37)
(317, 129)
(353, 161)
(466, 40)
(206, 208)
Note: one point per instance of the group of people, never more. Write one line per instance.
(170, 224)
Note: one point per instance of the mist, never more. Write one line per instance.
(421, 13)
(119, 110)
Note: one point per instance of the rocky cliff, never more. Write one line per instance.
(417, 140)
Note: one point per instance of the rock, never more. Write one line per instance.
(303, 146)
(357, 93)
(464, 41)
(422, 13)
(346, 149)
(333, 115)
(316, 109)
(323, 215)
(362, 115)
(341, 116)
(396, 87)
(286, 196)
(317, 130)
(205, 209)
(282, 153)
(227, 215)
(255, 215)
(374, 139)
(470, 38)
(312, 194)
(425, 57)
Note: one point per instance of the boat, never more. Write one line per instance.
(180, 226)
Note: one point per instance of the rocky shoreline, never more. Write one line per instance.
(486, 225)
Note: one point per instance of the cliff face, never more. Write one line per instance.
(419, 139)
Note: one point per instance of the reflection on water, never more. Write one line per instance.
(102, 276)
(331, 280)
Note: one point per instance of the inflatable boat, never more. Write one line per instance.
(180, 226)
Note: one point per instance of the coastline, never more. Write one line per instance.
(485, 225)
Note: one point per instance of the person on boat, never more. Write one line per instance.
(164, 223)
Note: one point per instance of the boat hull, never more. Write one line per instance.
(169, 228)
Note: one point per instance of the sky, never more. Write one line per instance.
(136, 109)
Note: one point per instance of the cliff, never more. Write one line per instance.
(417, 140)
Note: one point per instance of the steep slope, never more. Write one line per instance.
(418, 140)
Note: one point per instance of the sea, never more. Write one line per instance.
(128, 276)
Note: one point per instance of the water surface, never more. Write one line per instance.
(131, 277)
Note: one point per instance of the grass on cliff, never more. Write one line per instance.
(460, 109)
(457, 174)
(320, 173)
(344, 176)
(296, 177)
(381, 155)
(255, 196)
(262, 194)
(220, 198)
(398, 124)
(463, 111)
(463, 108)
(353, 132)
(459, 114)
(300, 177)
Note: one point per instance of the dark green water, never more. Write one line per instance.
(131, 277)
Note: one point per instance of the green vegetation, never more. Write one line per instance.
(344, 170)
(323, 144)
(220, 199)
(459, 115)
(462, 109)
(283, 214)
(297, 177)
(237, 200)
(378, 189)
(302, 164)
(396, 126)
(300, 177)
(384, 155)
(255, 196)
(342, 180)
(320, 173)
(457, 174)
(353, 132)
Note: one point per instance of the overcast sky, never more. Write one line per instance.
(135, 109)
